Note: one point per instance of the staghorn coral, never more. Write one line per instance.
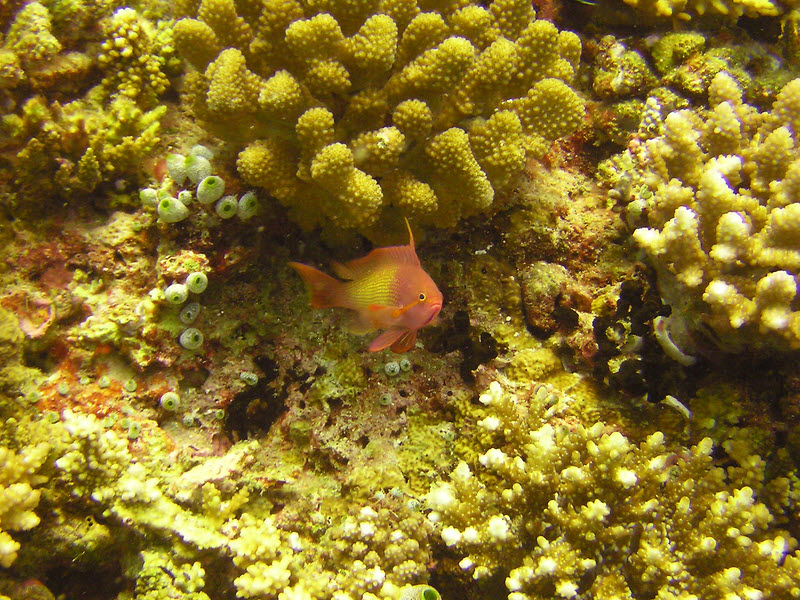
(568, 508)
(719, 187)
(346, 110)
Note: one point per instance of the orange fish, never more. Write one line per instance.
(387, 289)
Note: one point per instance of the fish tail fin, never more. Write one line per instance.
(323, 289)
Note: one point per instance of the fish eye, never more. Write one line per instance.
(422, 296)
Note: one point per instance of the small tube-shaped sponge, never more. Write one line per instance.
(197, 282)
(177, 293)
(248, 205)
(172, 210)
(191, 339)
(226, 207)
(210, 189)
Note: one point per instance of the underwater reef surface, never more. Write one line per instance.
(606, 194)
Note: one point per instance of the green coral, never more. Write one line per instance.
(557, 503)
(346, 111)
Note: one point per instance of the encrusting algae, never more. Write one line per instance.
(608, 405)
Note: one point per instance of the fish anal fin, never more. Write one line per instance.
(387, 339)
(405, 342)
(361, 324)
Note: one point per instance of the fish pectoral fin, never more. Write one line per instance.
(405, 343)
(388, 338)
(376, 307)
(361, 324)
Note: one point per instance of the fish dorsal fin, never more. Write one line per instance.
(395, 255)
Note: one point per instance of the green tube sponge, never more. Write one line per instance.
(197, 168)
(170, 401)
(248, 205)
(177, 293)
(172, 210)
(191, 339)
(226, 207)
(210, 189)
(176, 167)
(189, 313)
(196, 282)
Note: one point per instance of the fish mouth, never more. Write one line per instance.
(434, 313)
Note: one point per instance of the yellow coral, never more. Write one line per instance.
(404, 90)
(498, 146)
(18, 499)
(414, 118)
(270, 164)
(550, 110)
(133, 68)
(378, 152)
(232, 87)
(230, 29)
(359, 196)
(723, 221)
(372, 50)
(556, 503)
(686, 9)
(30, 36)
(196, 42)
(463, 186)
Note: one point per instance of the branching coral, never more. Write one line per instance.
(48, 47)
(733, 9)
(64, 136)
(567, 509)
(720, 190)
(133, 56)
(345, 110)
(73, 148)
(368, 553)
(18, 498)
